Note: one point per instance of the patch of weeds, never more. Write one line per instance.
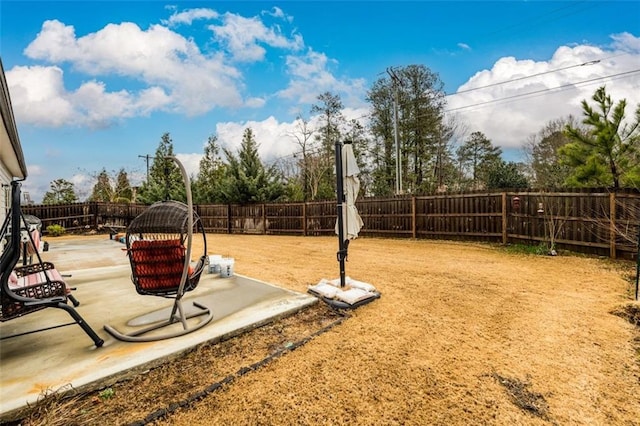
(107, 393)
(55, 230)
(630, 312)
(531, 402)
(538, 250)
(60, 407)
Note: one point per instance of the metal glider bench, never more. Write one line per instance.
(48, 290)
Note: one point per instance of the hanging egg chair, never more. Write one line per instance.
(159, 246)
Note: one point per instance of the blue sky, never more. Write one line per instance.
(96, 84)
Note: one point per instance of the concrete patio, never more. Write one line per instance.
(65, 357)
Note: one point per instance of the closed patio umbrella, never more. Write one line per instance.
(348, 225)
(349, 221)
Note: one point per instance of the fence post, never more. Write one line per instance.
(264, 220)
(229, 219)
(504, 218)
(93, 210)
(612, 225)
(304, 219)
(413, 217)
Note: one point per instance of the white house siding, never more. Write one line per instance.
(5, 192)
(5, 196)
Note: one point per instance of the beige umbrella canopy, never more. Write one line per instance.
(351, 220)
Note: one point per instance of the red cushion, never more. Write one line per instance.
(157, 264)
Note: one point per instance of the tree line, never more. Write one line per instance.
(409, 142)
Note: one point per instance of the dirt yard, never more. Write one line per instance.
(463, 334)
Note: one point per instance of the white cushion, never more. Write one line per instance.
(353, 295)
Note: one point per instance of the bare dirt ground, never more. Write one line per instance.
(463, 334)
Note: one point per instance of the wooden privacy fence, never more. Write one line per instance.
(602, 223)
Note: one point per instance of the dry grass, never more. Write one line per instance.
(456, 326)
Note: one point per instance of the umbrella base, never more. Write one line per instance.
(340, 304)
(348, 296)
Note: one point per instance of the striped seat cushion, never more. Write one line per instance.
(36, 278)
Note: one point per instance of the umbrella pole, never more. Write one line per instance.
(638, 266)
(342, 246)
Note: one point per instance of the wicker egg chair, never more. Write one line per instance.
(159, 243)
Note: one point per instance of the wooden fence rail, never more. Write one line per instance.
(602, 223)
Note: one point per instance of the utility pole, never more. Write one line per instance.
(146, 157)
(396, 82)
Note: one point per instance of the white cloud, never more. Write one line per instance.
(360, 114)
(276, 12)
(113, 104)
(464, 46)
(82, 185)
(157, 57)
(509, 122)
(191, 163)
(174, 74)
(626, 42)
(243, 37)
(273, 138)
(151, 99)
(187, 16)
(311, 76)
(39, 97)
(35, 170)
(255, 102)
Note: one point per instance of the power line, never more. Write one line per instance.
(275, 160)
(147, 157)
(540, 18)
(396, 128)
(592, 62)
(537, 92)
(524, 78)
(507, 98)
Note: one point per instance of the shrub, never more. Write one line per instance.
(55, 230)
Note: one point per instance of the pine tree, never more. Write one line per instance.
(607, 152)
(102, 190)
(476, 157)
(212, 170)
(502, 175)
(381, 97)
(62, 192)
(165, 180)
(123, 192)
(417, 95)
(247, 180)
